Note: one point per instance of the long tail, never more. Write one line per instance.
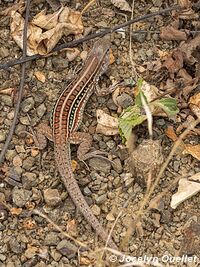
(63, 160)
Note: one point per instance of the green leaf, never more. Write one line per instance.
(169, 105)
(128, 120)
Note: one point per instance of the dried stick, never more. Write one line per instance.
(21, 87)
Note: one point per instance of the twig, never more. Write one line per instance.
(89, 37)
(36, 211)
(21, 88)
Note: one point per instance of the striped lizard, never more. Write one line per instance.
(66, 119)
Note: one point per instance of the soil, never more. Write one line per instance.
(30, 181)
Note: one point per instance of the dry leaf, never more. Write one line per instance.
(63, 22)
(121, 4)
(195, 100)
(171, 133)
(170, 33)
(193, 150)
(107, 124)
(188, 49)
(40, 76)
(48, 21)
(33, 34)
(187, 188)
(174, 63)
(16, 7)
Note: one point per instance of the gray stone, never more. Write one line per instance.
(66, 248)
(28, 163)
(27, 104)
(20, 196)
(117, 166)
(99, 164)
(2, 136)
(15, 246)
(52, 197)
(125, 100)
(41, 109)
(51, 239)
(7, 100)
(29, 180)
(101, 199)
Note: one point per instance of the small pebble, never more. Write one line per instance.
(20, 196)
(66, 248)
(52, 197)
(124, 100)
(96, 210)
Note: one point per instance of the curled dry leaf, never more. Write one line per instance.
(121, 4)
(174, 63)
(45, 30)
(170, 33)
(107, 124)
(187, 188)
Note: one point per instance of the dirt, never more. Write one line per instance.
(29, 179)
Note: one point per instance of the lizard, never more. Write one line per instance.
(66, 119)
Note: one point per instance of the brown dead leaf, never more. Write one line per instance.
(121, 4)
(44, 31)
(170, 33)
(195, 100)
(20, 7)
(174, 63)
(40, 76)
(171, 133)
(193, 150)
(33, 35)
(189, 48)
(46, 21)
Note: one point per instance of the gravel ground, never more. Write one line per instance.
(29, 178)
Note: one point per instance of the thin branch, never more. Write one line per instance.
(89, 37)
(21, 88)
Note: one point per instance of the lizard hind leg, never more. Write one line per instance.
(85, 142)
